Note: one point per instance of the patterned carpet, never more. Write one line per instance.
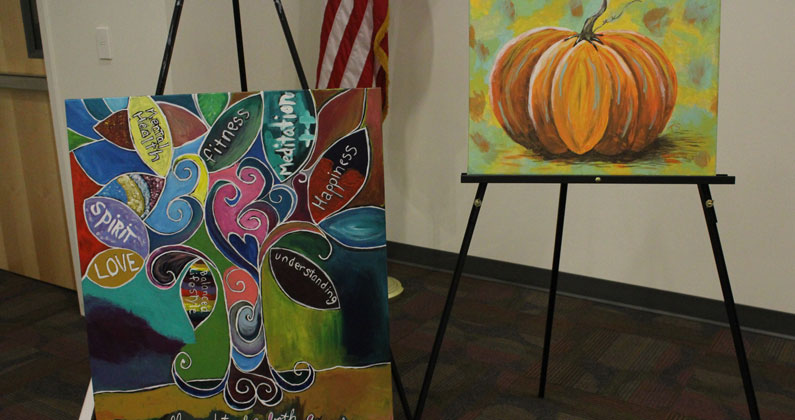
(607, 362)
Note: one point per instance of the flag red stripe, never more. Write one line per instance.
(346, 45)
(328, 23)
(366, 79)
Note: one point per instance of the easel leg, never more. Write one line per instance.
(728, 298)
(448, 306)
(288, 36)
(172, 34)
(241, 60)
(553, 289)
(399, 387)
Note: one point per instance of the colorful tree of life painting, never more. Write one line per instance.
(232, 248)
(614, 87)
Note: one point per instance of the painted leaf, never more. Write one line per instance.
(97, 108)
(139, 191)
(302, 280)
(232, 134)
(339, 175)
(289, 132)
(150, 133)
(184, 126)
(198, 293)
(114, 267)
(211, 105)
(116, 225)
(117, 104)
(360, 227)
(116, 128)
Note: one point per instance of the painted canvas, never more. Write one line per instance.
(614, 87)
(232, 248)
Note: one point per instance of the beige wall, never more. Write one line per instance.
(651, 236)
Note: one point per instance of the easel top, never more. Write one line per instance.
(596, 179)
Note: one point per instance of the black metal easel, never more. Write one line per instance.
(703, 183)
(288, 36)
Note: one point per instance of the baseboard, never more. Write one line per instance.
(711, 310)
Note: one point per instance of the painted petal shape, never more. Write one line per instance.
(97, 108)
(232, 134)
(116, 225)
(117, 104)
(140, 192)
(211, 105)
(79, 120)
(150, 133)
(302, 280)
(76, 140)
(102, 161)
(116, 128)
(339, 175)
(360, 227)
(288, 133)
(114, 267)
(198, 292)
(184, 126)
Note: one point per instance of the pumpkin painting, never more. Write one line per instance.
(610, 92)
(593, 87)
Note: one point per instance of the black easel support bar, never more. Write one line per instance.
(399, 386)
(448, 306)
(728, 297)
(288, 35)
(553, 288)
(172, 34)
(241, 59)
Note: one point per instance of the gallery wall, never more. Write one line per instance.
(651, 236)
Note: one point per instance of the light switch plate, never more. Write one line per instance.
(103, 43)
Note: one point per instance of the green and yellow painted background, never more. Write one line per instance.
(687, 30)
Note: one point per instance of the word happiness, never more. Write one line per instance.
(333, 185)
(152, 134)
(286, 144)
(220, 144)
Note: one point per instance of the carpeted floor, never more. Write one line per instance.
(607, 362)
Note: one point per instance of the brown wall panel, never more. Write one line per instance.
(14, 54)
(32, 220)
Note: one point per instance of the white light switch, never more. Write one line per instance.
(103, 43)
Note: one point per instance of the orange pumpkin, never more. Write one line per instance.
(610, 92)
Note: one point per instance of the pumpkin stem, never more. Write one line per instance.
(588, 33)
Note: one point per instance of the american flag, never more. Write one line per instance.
(354, 47)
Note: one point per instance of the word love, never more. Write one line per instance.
(114, 267)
